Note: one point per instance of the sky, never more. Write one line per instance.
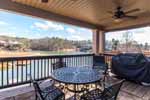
(16, 25)
(141, 35)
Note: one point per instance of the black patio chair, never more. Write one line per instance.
(99, 63)
(109, 93)
(49, 93)
(58, 64)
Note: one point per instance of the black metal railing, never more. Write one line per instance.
(15, 70)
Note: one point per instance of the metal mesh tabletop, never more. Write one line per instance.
(76, 75)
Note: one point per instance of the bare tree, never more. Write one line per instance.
(114, 44)
(127, 39)
(146, 46)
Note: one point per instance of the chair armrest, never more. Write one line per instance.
(107, 91)
(50, 81)
(88, 66)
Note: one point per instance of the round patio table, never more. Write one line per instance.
(76, 76)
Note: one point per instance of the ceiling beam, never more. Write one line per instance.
(128, 27)
(28, 10)
(142, 21)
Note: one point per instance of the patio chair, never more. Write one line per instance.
(58, 64)
(49, 93)
(109, 93)
(99, 63)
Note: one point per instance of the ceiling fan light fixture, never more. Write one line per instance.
(117, 20)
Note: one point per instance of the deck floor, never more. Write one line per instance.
(129, 91)
(133, 91)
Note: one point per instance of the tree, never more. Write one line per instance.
(146, 46)
(127, 38)
(114, 44)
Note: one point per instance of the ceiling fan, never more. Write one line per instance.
(120, 14)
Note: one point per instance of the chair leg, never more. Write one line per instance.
(61, 98)
(36, 97)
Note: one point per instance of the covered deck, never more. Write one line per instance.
(129, 91)
(92, 14)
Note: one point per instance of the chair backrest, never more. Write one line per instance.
(37, 89)
(99, 63)
(98, 59)
(58, 64)
(112, 91)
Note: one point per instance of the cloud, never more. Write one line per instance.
(3, 23)
(55, 26)
(75, 33)
(8, 34)
(70, 30)
(41, 26)
(76, 37)
(48, 25)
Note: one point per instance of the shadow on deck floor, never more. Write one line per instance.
(129, 91)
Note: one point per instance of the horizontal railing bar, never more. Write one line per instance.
(107, 54)
(41, 57)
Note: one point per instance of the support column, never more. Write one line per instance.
(101, 41)
(98, 41)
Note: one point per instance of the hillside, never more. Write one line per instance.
(44, 44)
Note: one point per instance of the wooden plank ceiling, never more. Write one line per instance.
(96, 11)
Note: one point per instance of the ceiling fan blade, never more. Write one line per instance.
(131, 17)
(131, 11)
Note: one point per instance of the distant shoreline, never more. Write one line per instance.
(16, 54)
(30, 53)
